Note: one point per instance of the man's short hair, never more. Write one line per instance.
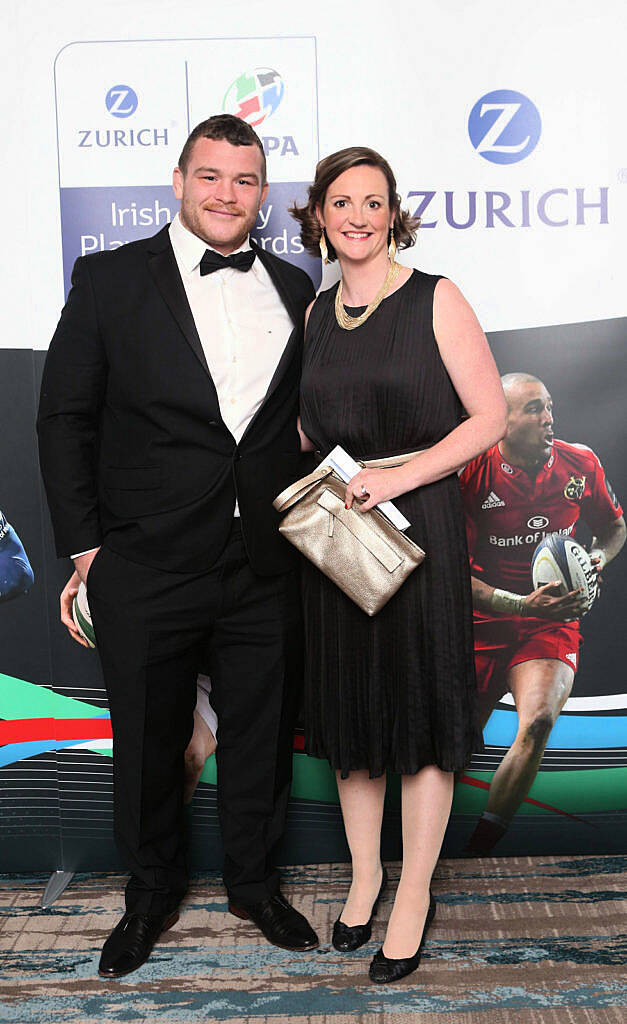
(510, 380)
(225, 127)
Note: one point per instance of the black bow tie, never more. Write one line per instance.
(215, 261)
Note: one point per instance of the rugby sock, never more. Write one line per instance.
(490, 828)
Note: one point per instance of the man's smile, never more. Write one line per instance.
(224, 213)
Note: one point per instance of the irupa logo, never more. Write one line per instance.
(254, 96)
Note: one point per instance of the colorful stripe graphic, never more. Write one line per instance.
(66, 722)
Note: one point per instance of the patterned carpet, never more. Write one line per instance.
(515, 941)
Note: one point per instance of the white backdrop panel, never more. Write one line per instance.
(401, 79)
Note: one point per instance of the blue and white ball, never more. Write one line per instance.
(82, 616)
(563, 559)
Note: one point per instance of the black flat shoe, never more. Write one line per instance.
(383, 969)
(348, 937)
(279, 922)
(131, 941)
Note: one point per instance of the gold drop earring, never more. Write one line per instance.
(324, 252)
(392, 247)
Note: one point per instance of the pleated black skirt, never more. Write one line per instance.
(396, 691)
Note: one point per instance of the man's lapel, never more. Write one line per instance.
(286, 295)
(165, 273)
(275, 270)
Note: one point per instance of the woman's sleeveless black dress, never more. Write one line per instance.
(396, 691)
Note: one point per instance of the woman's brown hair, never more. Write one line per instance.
(405, 226)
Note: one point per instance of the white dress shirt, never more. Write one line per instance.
(242, 324)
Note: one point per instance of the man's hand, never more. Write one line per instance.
(83, 562)
(545, 603)
(68, 594)
(599, 561)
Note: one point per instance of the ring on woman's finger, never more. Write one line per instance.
(363, 490)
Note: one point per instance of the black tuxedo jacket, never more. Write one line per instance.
(132, 444)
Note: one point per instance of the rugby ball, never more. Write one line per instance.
(82, 616)
(561, 558)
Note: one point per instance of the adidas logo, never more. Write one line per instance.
(572, 658)
(493, 501)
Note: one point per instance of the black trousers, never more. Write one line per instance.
(155, 630)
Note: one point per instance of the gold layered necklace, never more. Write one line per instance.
(349, 323)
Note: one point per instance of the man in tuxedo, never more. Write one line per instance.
(167, 424)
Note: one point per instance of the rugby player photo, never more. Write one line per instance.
(524, 489)
(16, 574)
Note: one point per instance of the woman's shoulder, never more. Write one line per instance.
(423, 279)
(323, 301)
(421, 285)
(326, 295)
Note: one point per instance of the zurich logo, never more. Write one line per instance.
(121, 101)
(504, 126)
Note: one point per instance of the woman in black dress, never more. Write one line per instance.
(392, 357)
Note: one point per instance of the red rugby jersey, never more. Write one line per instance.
(508, 512)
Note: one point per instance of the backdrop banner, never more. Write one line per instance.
(511, 159)
(137, 131)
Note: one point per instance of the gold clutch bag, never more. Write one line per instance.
(362, 552)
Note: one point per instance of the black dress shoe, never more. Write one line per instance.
(383, 969)
(279, 922)
(348, 937)
(131, 941)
